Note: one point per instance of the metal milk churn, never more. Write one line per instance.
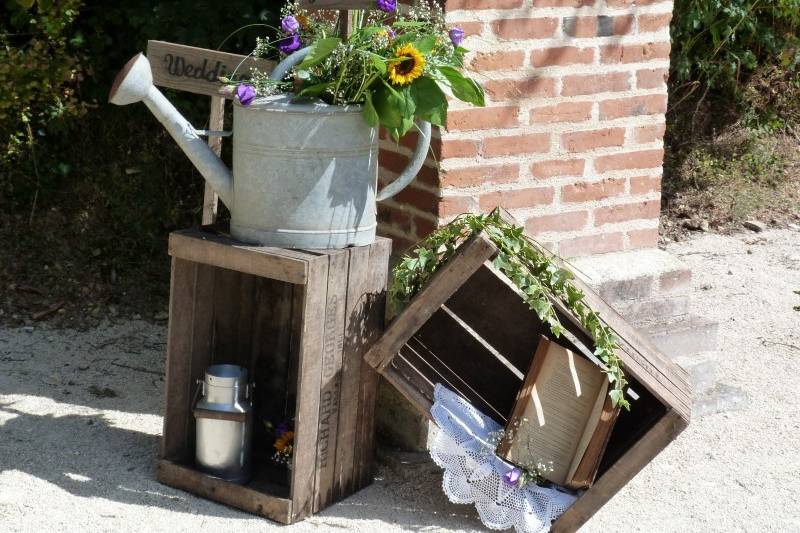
(304, 173)
(224, 416)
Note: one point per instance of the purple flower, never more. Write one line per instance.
(289, 44)
(289, 24)
(246, 93)
(457, 36)
(390, 33)
(512, 476)
(388, 6)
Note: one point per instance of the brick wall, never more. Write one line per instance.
(571, 138)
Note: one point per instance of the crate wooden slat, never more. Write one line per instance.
(298, 320)
(469, 329)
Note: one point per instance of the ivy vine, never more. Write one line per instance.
(529, 266)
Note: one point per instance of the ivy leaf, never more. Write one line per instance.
(616, 396)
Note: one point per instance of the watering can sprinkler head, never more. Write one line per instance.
(133, 82)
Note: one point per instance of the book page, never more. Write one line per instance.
(588, 431)
(555, 416)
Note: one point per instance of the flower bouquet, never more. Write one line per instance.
(400, 66)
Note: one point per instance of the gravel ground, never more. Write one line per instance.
(79, 427)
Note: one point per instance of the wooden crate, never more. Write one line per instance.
(470, 330)
(300, 322)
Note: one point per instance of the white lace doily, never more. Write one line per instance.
(474, 474)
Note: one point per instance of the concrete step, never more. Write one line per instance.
(685, 336)
(702, 369)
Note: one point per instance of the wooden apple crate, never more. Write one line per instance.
(470, 330)
(300, 322)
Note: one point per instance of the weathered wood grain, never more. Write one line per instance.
(469, 257)
(197, 70)
(216, 121)
(337, 4)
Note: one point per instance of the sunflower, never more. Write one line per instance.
(408, 65)
(284, 442)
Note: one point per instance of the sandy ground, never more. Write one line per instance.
(79, 427)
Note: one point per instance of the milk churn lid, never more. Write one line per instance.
(226, 375)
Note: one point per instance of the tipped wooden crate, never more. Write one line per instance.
(469, 329)
(300, 322)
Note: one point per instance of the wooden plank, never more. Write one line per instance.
(216, 121)
(311, 308)
(501, 317)
(469, 257)
(337, 4)
(372, 322)
(330, 387)
(241, 497)
(606, 486)
(412, 385)
(197, 70)
(353, 349)
(216, 250)
(178, 382)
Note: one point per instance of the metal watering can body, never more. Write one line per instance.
(305, 173)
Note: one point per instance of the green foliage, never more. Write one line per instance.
(717, 43)
(529, 266)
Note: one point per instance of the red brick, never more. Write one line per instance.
(563, 3)
(516, 144)
(394, 216)
(394, 162)
(570, 221)
(518, 198)
(643, 159)
(564, 55)
(422, 200)
(645, 184)
(563, 112)
(595, 83)
(628, 3)
(478, 175)
(651, 78)
(423, 226)
(591, 244)
(648, 134)
(592, 191)
(654, 22)
(453, 5)
(483, 118)
(471, 28)
(651, 104)
(449, 148)
(643, 238)
(517, 89)
(487, 61)
(580, 26)
(623, 25)
(634, 53)
(624, 212)
(581, 141)
(455, 205)
(536, 28)
(558, 167)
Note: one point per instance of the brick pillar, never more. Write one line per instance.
(571, 138)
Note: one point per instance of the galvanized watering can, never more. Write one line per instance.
(224, 423)
(305, 174)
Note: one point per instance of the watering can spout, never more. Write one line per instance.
(134, 83)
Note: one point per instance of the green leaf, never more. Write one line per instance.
(616, 396)
(378, 62)
(465, 89)
(430, 101)
(319, 51)
(315, 90)
(426, 45)
(369, 113)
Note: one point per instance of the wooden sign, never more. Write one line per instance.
(338, 4)
(197, 70)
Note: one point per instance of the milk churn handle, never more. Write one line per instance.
(420, 151)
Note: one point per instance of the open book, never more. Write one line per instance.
(562, 418)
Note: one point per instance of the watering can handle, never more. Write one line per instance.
(420, 151)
